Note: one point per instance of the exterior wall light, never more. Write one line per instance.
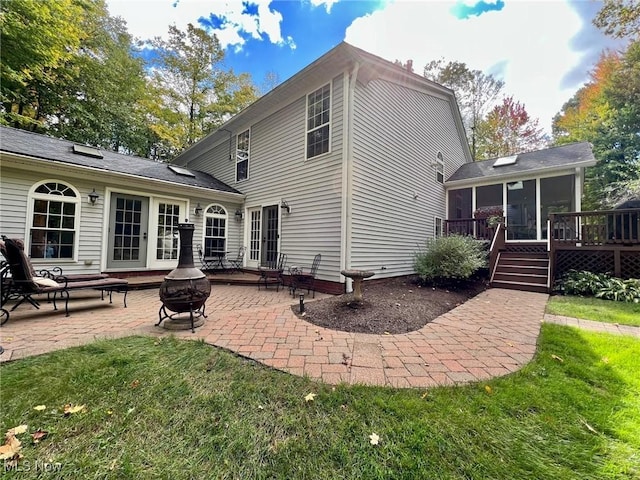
(239, 215)
(285, 206)
(198, 210)
(93, 197)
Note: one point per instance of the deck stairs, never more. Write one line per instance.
(522, 270)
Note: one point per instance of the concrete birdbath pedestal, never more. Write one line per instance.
(357, 276)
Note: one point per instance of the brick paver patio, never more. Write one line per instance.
(491, 335)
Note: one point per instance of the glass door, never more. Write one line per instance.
(270, 234)
(128, 221)
(255, 234)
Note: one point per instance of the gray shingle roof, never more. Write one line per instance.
(57, 150)
(564, 156)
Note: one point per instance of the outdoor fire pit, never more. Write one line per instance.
(185, 289)
(357, 276)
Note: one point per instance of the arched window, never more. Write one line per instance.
(53, 227)
(215, 231)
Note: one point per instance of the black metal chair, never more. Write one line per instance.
(302, 279)
(271, 270)
(236, 263)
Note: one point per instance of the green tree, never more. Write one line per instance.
(475, 92)
(195, 94)
(40, 39)
(508, 129)
(619, 18)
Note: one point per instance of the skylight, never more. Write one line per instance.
(501, 162)
(181, 171)
(87, 151)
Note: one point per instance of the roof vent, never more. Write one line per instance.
(87, 151)
(181, 171)
(501, 162)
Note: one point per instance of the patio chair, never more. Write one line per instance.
(24, 284)
(273, 270)
(211, 262)
(236, 263)
(302, 279)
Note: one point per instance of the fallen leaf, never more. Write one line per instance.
(260, 407)
(488, 389)
(387, 333)
(555, 357)
(135, 384)
(12, 432)
(510, 344)
(605, 359)
(11, 448)
(40, 407)
(310, 397)
(424, 395)
(109, 412)
(70, 408)
(374, 439)
(39, 435)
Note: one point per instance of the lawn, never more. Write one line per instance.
(179, 409)
(589, 308)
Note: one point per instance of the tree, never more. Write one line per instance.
(606, 112)
(508, 129)
(475, 91)
(619, 18)
(40, 38)
(195, 95)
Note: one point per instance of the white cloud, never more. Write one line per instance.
(531, 39)
(150, 18)
(327, 4)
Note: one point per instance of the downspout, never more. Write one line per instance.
(349, 85)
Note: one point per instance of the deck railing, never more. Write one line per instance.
(605, 227)
(475, 227)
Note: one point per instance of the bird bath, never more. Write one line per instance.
(357, 276)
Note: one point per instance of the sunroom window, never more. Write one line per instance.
(53, 225)
(242, 156)
(318, 119)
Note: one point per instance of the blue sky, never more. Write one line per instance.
(542, 49)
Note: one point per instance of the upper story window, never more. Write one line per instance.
(439, 168)
(215, 231)
(53, 227)
(318, 118)
(242, 156)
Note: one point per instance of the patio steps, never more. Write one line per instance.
(526, 271)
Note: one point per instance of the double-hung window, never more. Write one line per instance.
(54, 223)
(439, 168)
(242, 156)
(318, 120)
(215, 231)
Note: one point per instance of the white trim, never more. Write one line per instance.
(435, 227)
(225, 216)
(439, 164)
(77, 201)
(329, 123)
(346, 223)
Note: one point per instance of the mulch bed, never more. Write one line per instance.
(397, 305)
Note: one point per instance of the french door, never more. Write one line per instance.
(264, 234)
(128, 222)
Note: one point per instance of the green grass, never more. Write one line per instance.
(589, 308)
(176, 409)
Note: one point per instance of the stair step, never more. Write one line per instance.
(527, 287)
(520, 277)
(525, 254)
(524, 269)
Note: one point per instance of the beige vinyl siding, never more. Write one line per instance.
(278, 170)
(395, 192)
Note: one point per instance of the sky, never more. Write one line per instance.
(542, 49)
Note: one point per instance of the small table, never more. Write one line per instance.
(357, 276)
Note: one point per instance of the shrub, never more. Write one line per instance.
(453, 257)
(582, 283)
(600, 285)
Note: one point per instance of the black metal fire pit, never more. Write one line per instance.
(185, 289)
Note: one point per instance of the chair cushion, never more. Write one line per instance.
(21, 269)
(45, 282)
